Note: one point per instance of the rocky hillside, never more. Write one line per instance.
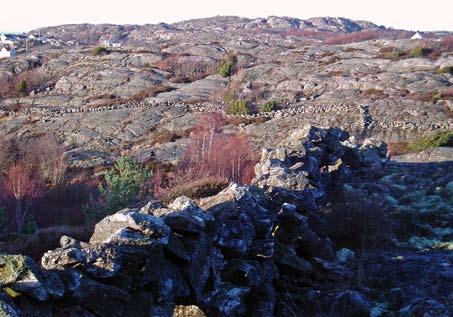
(90, 34)
(378, 84)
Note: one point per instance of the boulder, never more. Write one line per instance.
(22, 275)
(126, 222)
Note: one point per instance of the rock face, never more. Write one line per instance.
(245, 253)
(372, 88)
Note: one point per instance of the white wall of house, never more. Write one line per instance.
(7, 53)
(106, 43)
(417, 36)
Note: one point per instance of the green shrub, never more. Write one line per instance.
(30, 225)
(444, 138)
(99, 50)
(393, 54)
(418, 52)
(269, 106)
(237, 107)
(123, 184)
(3, 220)
(445, 70)
(21, 88)
(226, 68)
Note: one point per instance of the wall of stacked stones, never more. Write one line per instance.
(367, 121)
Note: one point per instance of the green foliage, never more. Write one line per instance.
(30, 225)
(418, 52)
(437, 96)
(99, 50)
(443, 138)
(93, 210)
(21, 88)
(237, 107)
(226, 68)
(269, 106)
(445, 70)
(3, 220)
(124, 183)
(393, 54)
(147, 65)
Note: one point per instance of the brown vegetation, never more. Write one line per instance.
(166, 136)
(196, 189)
(109, 100)
(26, 82)
(357, 222)
(211, 160)
(212, 153)
(397, 148)
(47, 157)
(186, 68)
(42, 240)
(366, 35)
(23, 187)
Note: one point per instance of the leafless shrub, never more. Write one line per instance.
(9, 153)
(356, 220)
(23, 187)
(44, 239)
(366, 35)
(212, 153)
(187, 68)
(47, 156)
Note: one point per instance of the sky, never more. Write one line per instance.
(415, 15)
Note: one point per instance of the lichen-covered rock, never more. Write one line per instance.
(188, 311)
(23, 275)
(317, 156)
(119, 225)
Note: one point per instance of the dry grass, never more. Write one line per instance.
(109, 100)
(398, 148)
(166, 136)
(37, 244)
(202, 188)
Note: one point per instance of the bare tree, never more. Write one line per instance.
(47, 157)
(212, 153)
(23, 187)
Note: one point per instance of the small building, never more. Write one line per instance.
(117, 44)
(7, 39)
(8, 52)
(107, 40)
(107, 43)
(417, 36)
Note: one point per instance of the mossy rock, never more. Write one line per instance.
(12, 267)
(22, 275)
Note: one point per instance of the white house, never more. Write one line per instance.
(117, 44)
(5, 39)
(7, 52)
(106, 43)
(417, 36)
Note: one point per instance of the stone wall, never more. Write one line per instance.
(236, 254)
